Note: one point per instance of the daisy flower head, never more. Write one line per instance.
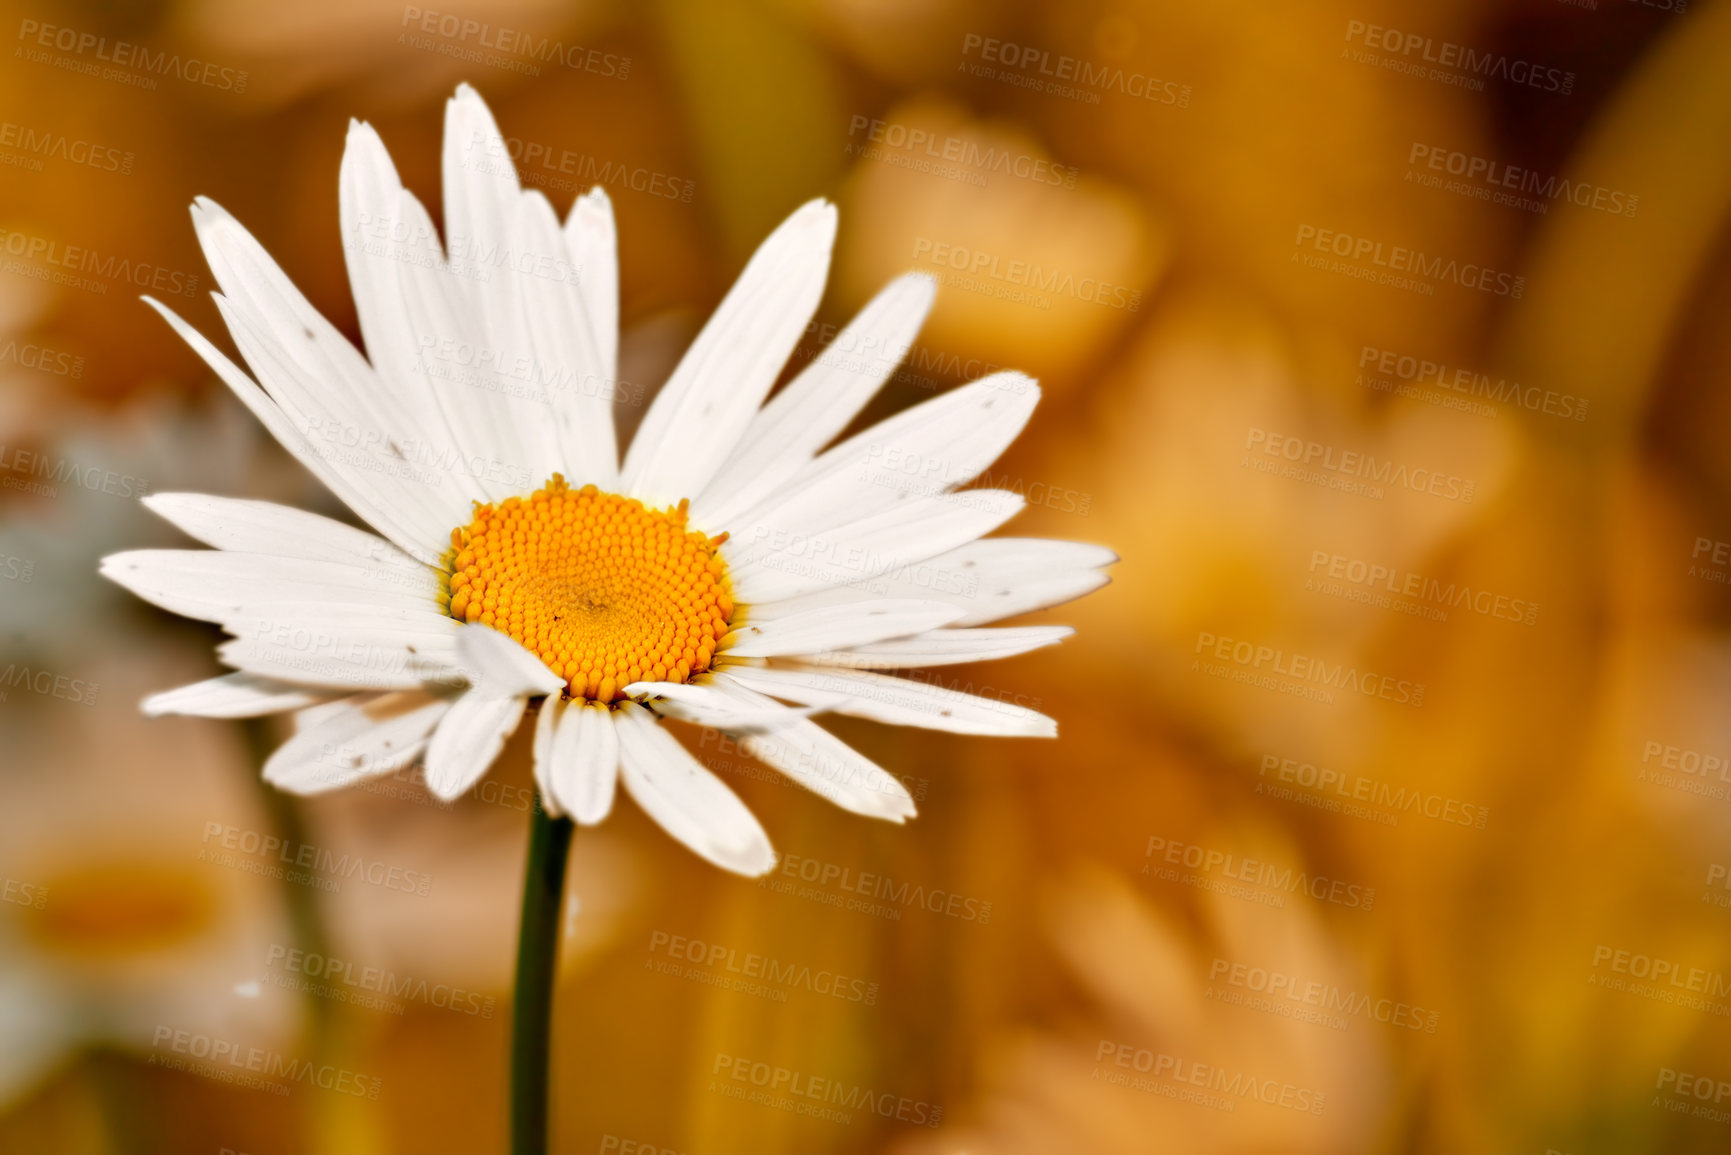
(736, 567)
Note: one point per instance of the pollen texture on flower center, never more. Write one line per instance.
(605, 590)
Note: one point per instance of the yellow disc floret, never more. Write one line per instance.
(605, 590)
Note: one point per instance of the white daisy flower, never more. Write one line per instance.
(730, 571)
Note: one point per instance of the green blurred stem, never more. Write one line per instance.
(128, 1115)
(336, 1124)
(305, 919)
(537, 965)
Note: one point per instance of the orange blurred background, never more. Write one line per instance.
(1392, 801)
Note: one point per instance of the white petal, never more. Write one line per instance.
(422, 628)
(369, 643)
(991, 579)
(593, 241)
(822, 763)
(469, 737)
(455, 356)
(586, 761)
(371, 495)
(1019, 575)
(699, 415)
(319, 379)
(898, 701)
(943, 648)
(482, 201)
(927, 450)
(567, 359)
(703, 704)
(480, 181)
(242, 526)
(817, 405)
(384, 228)
(360, 666)
(835, 627)
(369, 735)
(212, 584)
(231, 696)
(313, 716)
(546, 722)
(423, 498)
(499, 667)
(775, 566)
(685, 799)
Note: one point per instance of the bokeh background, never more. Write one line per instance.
(1390, 810)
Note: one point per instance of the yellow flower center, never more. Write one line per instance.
(606, 591)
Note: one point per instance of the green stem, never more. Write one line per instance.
(537, 965)
(128, 1115)
(306, 920)
(333, 1124)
